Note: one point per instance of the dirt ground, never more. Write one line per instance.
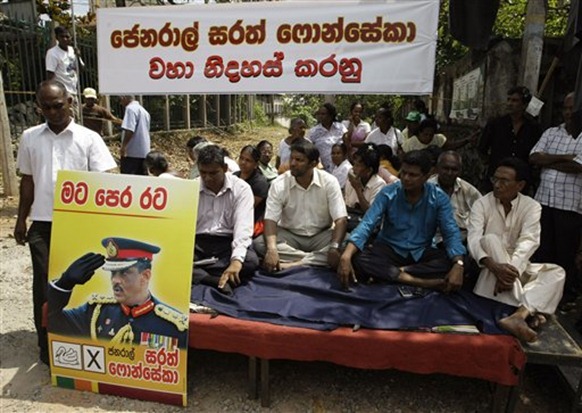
(217, 381)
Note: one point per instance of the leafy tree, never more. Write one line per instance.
(509, 23)
(57, 10)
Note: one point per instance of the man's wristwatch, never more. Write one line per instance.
(334, 245)
(459, 262)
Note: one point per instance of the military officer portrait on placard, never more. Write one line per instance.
(132, 314)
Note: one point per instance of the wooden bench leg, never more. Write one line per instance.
(500, 396)
(253, 379)
(576, 402)
(265, 391)
(505, 398)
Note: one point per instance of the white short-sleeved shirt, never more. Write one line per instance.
(413, 144)
(137, 120)
(305, 212)
(373, 186)
(324, 139)
(341, 172)
(42, 154)
(392, 138)
(64, 65)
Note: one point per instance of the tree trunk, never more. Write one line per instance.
(6, 156)
(533, 44)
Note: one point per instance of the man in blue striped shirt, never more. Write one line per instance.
(410, 212)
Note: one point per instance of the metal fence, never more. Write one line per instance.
(23, 46)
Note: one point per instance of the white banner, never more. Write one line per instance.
(380, 47)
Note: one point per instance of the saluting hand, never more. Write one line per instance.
(80, 271)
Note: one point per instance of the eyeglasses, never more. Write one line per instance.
(501, 181)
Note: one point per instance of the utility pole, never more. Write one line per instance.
(6, 156)
(533, 44)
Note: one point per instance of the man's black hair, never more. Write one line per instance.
(421, 159)
(308, 149)
(156, 160)
(211, 154)
(521, 91)
(59, 30)
(520, 167)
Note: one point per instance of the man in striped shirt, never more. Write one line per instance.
(559, 155)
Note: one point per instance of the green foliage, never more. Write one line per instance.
(508, 24)
(371, 104)
(305, 106)
(57, 10)
(511, 18)
(302, 106)
(261, 118)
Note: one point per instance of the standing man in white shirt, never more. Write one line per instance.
(224, 227)
(63, 64)
(135, 140)
(58, 144)
(504, 232)
(302, 205)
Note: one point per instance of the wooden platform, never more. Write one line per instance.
(557, 348)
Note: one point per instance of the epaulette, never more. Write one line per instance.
(173, 316)
(101, 299)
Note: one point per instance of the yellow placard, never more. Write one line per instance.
(125, 330)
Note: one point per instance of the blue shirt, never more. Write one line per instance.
(409, 229)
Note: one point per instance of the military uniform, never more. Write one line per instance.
(151, 323)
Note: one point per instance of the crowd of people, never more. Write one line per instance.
(372, 202)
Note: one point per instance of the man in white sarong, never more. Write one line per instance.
(504, 232)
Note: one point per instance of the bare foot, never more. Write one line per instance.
(430, 283)
(287, 265)
(536, 320)
(519, 328)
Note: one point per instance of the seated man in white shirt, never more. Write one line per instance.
(302, 206)
(223, 255)
(462, 194)
(504, 232)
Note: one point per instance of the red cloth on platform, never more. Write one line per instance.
(495, 358)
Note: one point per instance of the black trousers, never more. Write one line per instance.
(559, 242)
(39, 241)
(208, 246)
(133, 166)
(381, 262)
